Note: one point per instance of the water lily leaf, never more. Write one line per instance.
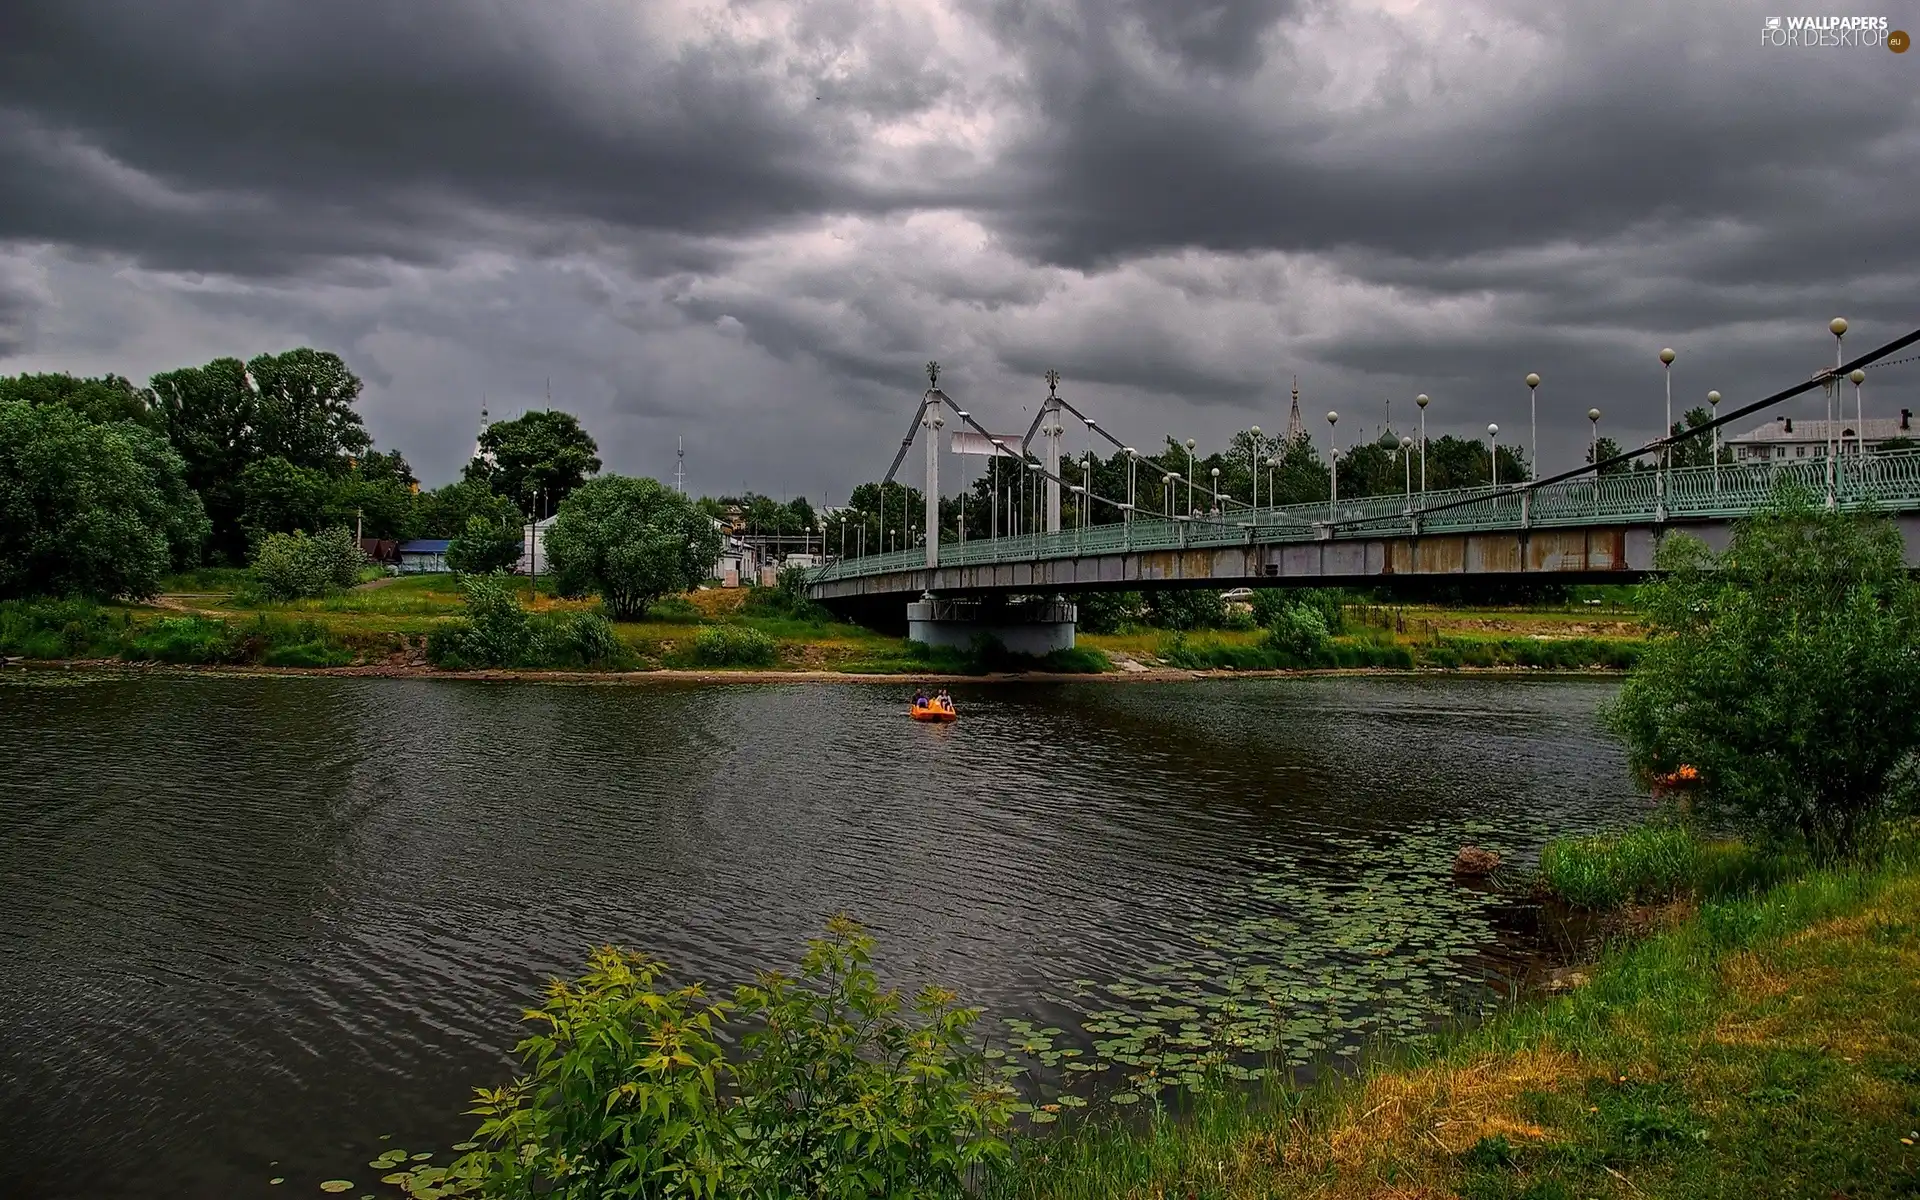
(1124, 1098)
(337, 1185)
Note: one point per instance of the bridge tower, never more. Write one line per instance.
(1051, 426)
(931, 420)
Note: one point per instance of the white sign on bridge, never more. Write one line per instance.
(966, 441)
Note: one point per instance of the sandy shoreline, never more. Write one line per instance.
(668, 675)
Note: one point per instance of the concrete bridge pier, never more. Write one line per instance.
(1024, 625)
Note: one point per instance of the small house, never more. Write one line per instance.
(423, 556)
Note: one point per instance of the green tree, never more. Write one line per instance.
(1694, 451)
(632, 541)
(226, 415)
(303, 409)
(278, 497)
(545, 452)
(104, 400)
(1186, 608)
(485, 546)
(378, 497)
(1607, 448)
(1787, 672)
(90, 509)
(445, 511)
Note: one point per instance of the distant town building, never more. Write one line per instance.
(533, 547)
(1785, 439)
(423, 556)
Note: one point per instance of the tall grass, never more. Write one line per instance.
(1644, 865)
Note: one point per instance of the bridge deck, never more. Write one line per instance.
(1889, 481)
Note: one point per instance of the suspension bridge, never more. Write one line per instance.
(1597, 522)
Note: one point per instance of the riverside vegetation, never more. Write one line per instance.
(421, 619)
(1765, 1046)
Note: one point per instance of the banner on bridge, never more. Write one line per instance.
(966, 441)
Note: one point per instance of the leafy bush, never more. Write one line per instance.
(733, 646)
(584, 639)
(1645, 865)
(632, 541)
(1787, 672)
(292, 566)
(834, 1089)
(498, 632)
(1298, 632)
(484, 547)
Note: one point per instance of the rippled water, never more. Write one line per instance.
(253, 924)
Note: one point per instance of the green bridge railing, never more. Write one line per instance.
(1886, 480)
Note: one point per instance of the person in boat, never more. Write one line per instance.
(920, 698)
(945, 701)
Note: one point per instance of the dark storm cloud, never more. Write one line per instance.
(218, 136)
(1626, 121)
(750, 222)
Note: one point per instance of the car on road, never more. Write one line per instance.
(1237, 594)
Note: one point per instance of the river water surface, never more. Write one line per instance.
(251, 925)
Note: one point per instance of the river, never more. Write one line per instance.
(252, 925)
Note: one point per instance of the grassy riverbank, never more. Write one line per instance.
(213, 617)
(1765, 1047)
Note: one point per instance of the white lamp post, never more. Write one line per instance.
(1838, 327)
(1593, 455)
(1533, 413)
(1713, 406)
(1666, 431)
(1858, 377)
(1216, 491)
(1493, 451)
(1333, 465)
(1189, 478)
(1422, 400)
(1406, 467)
(1253, 462)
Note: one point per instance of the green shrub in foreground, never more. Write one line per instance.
(733, 646)
(1787, 671)
(832, 1088)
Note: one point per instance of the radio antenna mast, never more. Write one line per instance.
(679, 469)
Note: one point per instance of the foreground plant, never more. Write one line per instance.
(838, 1088)
(1787, 671)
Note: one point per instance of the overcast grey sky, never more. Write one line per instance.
(751, 223)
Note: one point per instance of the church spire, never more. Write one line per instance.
(1294, 428)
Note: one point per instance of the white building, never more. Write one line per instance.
(533, 548)
(738, 561)
(1785, 439)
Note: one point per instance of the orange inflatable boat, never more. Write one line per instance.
(933, 710)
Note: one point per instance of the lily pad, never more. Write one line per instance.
(337, 1185)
